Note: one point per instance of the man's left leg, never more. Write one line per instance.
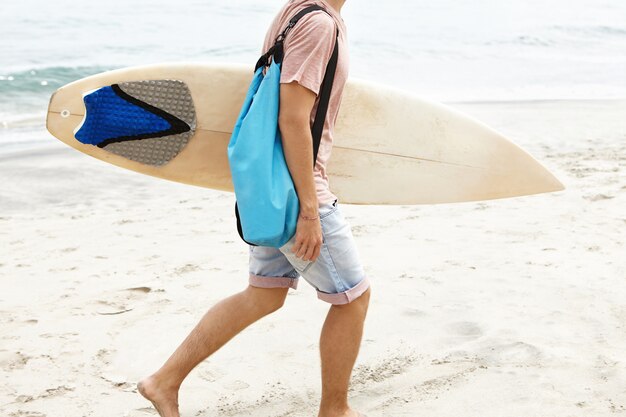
(220, 323)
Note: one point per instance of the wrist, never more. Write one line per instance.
(308, 210)
(303, 217)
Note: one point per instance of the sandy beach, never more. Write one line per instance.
(511, 307)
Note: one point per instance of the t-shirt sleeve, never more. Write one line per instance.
(307, 50)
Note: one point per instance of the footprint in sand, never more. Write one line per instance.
(117, 380)
(210, 375)
(120, 302)
(105, 355)
(57, 391)
(413, 312)
(10, 361)
(22, 413)
(386, 368)
(516, 353)
(236, 385)
(465, 329)
(606, 368)
(598, 197)
(185, 269)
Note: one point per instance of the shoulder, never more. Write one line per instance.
(318, 20)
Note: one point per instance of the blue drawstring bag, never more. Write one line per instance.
(267, 206)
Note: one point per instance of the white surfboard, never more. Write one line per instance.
(174, 121)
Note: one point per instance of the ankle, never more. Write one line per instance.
(164, 381)
(336, 410)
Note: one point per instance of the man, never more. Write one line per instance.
(323, 250)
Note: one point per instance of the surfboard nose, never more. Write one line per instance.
(50, 116)
(506, 171)
(515, 172)
(525, 175)
(558, 185)
(552, 183)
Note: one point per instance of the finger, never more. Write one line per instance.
(316, 253)
(302, 250)
(308, 256)
(296, 245)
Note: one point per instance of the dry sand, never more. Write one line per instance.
(509, 308)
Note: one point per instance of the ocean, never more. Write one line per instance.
(447, 50)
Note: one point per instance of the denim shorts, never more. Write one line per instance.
(337, 274)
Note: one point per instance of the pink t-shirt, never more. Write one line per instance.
(307, 50)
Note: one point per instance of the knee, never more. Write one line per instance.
(267, 300)
(275, 304)
(364, 298)
(361, 302)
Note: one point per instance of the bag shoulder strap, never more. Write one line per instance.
(322, 107)
(276, 52)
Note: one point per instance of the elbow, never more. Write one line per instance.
(290, 121)
(283, 121)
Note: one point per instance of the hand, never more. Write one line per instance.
(308, 240)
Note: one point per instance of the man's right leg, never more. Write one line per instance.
(340, 280)
(339, 346)
(221, 323)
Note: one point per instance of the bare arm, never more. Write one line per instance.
(296, 103)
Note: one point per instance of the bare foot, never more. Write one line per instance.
(164, 399)
(349, 413)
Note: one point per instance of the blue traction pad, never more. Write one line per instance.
(110, 117)
(147, 121)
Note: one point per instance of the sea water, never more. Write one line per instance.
(443, 50)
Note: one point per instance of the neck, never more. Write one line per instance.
(336, 4)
